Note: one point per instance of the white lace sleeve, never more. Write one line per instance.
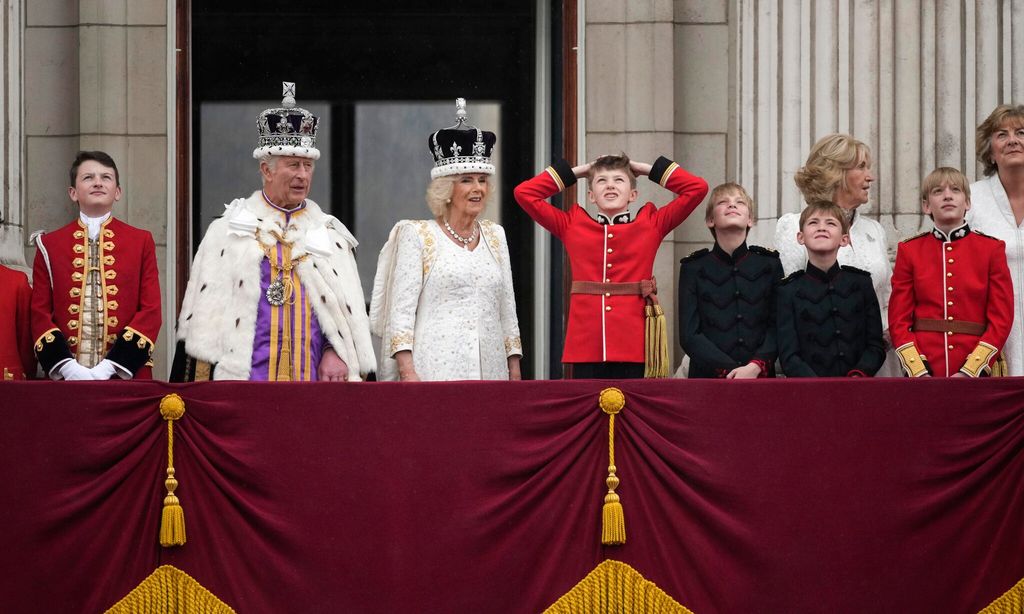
(792, 254)
(406, 284)
(509, 320)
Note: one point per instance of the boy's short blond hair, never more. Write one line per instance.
(825, 209)
(729, 187)
(614, 163)
(945, 175)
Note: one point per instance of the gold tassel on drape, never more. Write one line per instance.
(169, 590)
(613, 521)
(1010, 602)
(614, 586)
(172, 521)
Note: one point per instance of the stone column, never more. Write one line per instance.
(12, 230)
(630, 101)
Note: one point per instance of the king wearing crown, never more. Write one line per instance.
(274, 292)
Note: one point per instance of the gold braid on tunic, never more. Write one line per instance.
(281, 273)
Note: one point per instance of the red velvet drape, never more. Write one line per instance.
(764, 496)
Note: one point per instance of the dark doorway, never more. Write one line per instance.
(344, 55)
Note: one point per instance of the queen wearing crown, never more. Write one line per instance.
(443, 303)
(274, 293)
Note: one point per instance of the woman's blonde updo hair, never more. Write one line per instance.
(439, 194)
(825, 170)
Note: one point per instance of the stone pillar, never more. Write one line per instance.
(12, 230)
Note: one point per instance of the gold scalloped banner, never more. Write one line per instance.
(169, 590)
(1011, 602)
(614, 586)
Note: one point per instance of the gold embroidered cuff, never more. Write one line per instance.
(977, 361)
(401, 341)
(912, 360)
(47, 337)
(513, 346)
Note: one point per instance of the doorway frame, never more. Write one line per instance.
(180, 158)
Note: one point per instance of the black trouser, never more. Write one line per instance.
(607, 370)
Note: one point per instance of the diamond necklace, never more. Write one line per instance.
(461, 239)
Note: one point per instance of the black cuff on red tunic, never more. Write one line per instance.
(657, 174)
(52, 348)
(564, 171)
(131, 350)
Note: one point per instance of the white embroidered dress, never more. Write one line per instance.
(868, 251)
(991, 214)
(454, 308)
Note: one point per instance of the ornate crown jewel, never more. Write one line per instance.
(461, 148)
(287, 130)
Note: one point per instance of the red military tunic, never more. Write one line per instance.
(130, 294)
(16, 358)
(609, 328)
(960, 280)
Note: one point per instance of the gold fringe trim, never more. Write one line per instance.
(1000, 368)
(172, 519)
(614, 586)
(655, 342)
(1011, 602)
(613, 519)
(168, 590)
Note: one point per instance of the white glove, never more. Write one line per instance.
(103, 371)
(73, 370)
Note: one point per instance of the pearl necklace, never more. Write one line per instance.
(461, 239)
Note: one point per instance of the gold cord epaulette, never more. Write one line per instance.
(917, 236)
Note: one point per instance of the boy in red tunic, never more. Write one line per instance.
(612, 257)
(96, 290)
(16, 359)
(952, 298)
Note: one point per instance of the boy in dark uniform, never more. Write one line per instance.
(727, 295)
(612, 259)
(952, 298)
(829, 321)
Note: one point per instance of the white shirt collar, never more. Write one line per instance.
(93, 223)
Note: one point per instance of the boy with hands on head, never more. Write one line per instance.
(613, 305)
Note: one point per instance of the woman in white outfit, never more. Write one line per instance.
(838, 171)
(443, 302)
(997, 208)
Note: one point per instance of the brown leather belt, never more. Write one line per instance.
(643, 288)
(647, 288)
(949, 326)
